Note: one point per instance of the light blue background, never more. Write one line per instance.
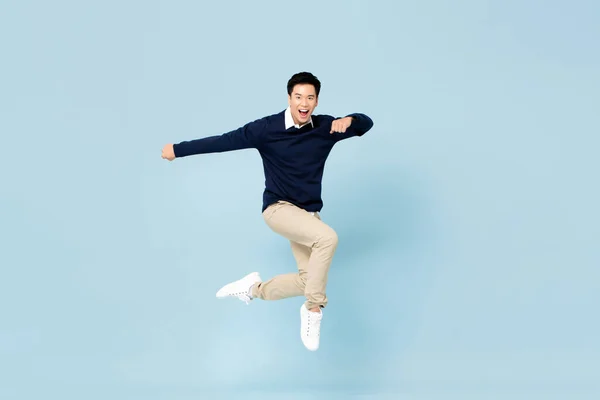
(468, 216)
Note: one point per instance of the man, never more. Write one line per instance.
(294, 145)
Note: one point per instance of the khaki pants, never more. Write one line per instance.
(313, 244)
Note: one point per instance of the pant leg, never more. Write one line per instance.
(305, 229)
(286, 285)
(302, 256)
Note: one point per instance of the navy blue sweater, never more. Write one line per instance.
(293, 159)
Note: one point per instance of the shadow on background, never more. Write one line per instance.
(380, 272)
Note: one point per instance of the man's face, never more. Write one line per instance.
(303, 102)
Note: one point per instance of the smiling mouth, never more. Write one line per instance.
(303, 113)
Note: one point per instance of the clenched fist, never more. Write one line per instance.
(168, 153)
(340, 125)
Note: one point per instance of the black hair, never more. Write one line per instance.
(303, 78)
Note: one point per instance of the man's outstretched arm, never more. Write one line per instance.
(245, 137)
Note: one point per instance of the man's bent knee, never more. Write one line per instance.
(328, 240)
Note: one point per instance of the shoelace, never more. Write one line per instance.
(243, 296)
(314, 322)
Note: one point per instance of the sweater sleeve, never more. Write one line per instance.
(246, 137)
(360, 125)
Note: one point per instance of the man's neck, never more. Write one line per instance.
(291, 122)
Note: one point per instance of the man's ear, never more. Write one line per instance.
(289, 100)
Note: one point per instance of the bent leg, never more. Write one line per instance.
(305, 229)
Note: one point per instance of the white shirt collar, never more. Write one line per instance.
(289, 121)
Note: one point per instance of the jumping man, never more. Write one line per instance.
(294, 145)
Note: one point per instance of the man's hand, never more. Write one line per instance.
(168, 153)
(340, 125)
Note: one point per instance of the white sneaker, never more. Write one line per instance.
(310, 327)
(240, 288)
